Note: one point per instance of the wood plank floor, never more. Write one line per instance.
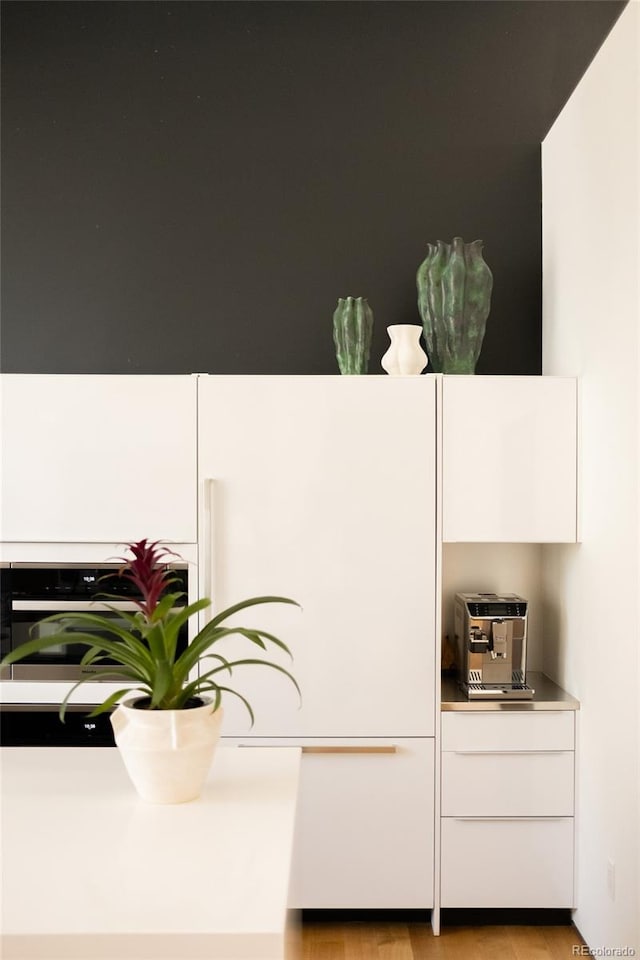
(372, 940)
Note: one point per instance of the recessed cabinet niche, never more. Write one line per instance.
(509, 459)
(98, 458)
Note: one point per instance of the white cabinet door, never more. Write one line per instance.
(98, 458)
(364, 824)
(509, 459)
(323, 489)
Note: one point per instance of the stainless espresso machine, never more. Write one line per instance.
(491, 641)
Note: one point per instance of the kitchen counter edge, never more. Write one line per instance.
(548, 696)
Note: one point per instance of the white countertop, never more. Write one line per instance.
(91, 872)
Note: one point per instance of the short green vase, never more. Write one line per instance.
(352, 330)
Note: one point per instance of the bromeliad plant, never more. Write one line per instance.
(145, 653)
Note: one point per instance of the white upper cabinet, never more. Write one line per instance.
(95, 458)
(322, 489)
(509, 459)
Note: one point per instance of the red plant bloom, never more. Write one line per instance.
(147, 571)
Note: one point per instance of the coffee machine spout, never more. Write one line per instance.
(499, 639)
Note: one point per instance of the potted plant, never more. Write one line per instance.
(166, 734)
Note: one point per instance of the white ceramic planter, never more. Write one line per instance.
(167, 753)
(405, 356)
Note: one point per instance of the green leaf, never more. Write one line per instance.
(264, 663)
(214, 686)
(164, 606)
(210, 635)
(110, 701)
(155, 639)
(100, 708)
(182, 614)
(161, 684)
(276, 641)
(216, 656)
(193, 690)
(247, 603)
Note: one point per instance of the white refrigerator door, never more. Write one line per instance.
(322, 489)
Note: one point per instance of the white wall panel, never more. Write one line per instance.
(591, 167)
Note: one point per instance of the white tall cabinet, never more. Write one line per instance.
(323, 489)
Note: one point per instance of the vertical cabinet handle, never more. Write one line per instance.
(210, 540)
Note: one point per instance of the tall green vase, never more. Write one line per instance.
(352, 329)
(454, 297)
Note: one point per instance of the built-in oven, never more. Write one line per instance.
(31, 592)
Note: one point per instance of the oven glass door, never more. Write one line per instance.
(5, 619)
(62, 661)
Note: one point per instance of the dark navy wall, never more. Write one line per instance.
(190, 186)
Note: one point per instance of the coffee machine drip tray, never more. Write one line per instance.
(518, 690)
(492, 691)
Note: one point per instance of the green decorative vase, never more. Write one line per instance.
(454, 297)
(352, 329)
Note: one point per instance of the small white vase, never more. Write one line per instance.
(405, 356)
(167, 753)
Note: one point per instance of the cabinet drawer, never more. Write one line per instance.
(364, 824)
(489, 732)
(364, 830)
(522, 784)
(507, 863)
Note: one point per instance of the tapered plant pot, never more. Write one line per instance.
(167, 753)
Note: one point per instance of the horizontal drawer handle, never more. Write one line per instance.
(512, 753)
(390, 748)
(387, 748)
(71, 606)
(509, 819)
(380, 749)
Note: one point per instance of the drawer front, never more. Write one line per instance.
(507, 863)
(512, 730)
(508, 784)
(364, 824)
(364, 829)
